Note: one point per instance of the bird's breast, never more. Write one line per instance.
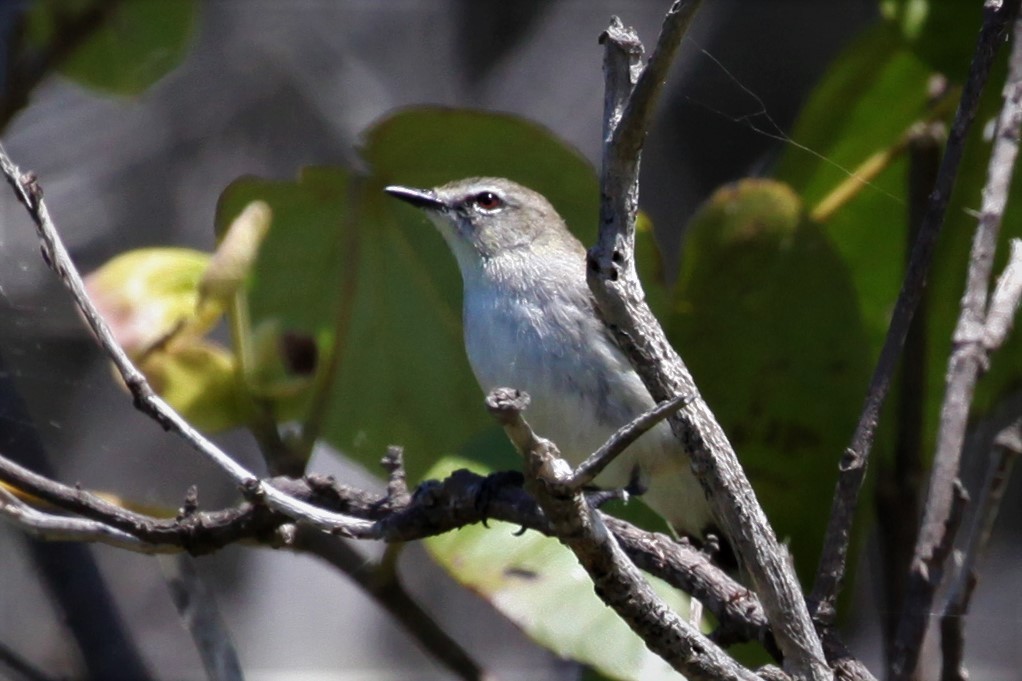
(581, 387)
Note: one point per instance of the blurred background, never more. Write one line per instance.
(264, 89)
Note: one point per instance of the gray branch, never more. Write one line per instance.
(464, 498)
(852, 468)
(1007, 447)
(44, 525)
(28, 191)
(1005, 299)
(631, 92)
(617, 581)
(622, 438)
(969, 357)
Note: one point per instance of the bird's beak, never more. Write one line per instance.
(420, 198)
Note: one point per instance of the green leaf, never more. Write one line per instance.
(149, 297)
(400, 376)
(941, 32)
(874, 92)
(539, 585)
(766, 316)
(149, 293)
(429, 146)
(869, 99)
(340, 249)
(199, 379)
(135, 43)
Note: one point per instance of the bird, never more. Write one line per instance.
(531, 323)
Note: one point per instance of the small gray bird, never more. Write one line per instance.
(531, 323)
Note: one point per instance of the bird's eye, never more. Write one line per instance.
(487, 201)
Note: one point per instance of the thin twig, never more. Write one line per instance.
(898, 486)
(831, 571)
(622, 438)
(968, 358)
(616, 580)
(19, 668)
(63, 528)
(28, 191)
(691, 571)
(1005, 446)
(630, 94)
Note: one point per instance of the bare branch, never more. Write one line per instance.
(620, 440)
(831, 570)
(899, 483)
(692, 572)
(28, 191)
(968, 359)
(616, 580)
(1007, 447)
(616, 286)
(63, 528)
(462, 499)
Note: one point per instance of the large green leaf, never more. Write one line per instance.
(338, 243)
(765, 314)
(870, 98)
(539, 585)
(428, 146)
(136, 43)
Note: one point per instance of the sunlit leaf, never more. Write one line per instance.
(539, 585)
(199, 379)
(148, 294)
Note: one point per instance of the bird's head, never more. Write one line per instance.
(485, 218)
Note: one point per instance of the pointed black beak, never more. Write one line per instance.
(420, 198)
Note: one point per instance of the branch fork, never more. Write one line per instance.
(616, 580)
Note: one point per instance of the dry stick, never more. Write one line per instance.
(438, 507)
(968, 357)
(631, 94)
(146, 400)
(833, 559)
(1005, 300)
(616, 580)
(898, 486)
(622, 438)
(61, 528)
(1007, 447)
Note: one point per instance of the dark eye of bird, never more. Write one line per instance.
(487, 201)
